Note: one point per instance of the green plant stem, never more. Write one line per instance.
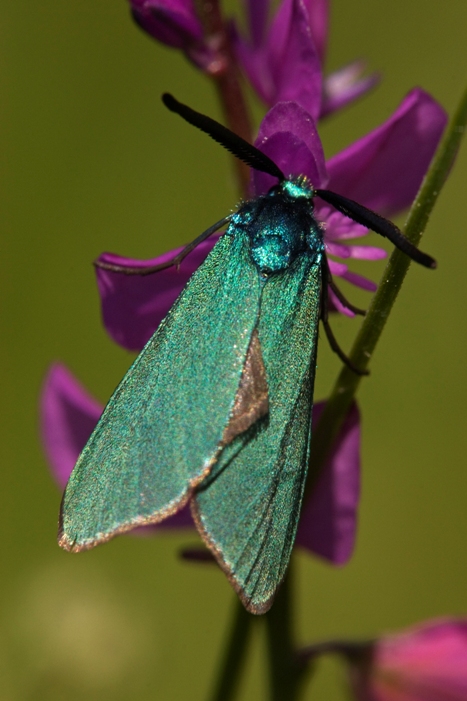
(347, 382)
(285, 667)
(234, 656)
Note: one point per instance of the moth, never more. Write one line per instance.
(216, 409)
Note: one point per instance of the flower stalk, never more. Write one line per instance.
(285, 667)
(234, 659)
(226, 76)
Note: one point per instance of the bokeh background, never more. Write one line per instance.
(91, 161)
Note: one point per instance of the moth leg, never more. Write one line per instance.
(339, 294)
(330, 335)
(337, 349)
(176, 261)
(343, 300)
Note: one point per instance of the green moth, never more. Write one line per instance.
(216, 409)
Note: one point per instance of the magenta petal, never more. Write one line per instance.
(257, 12)
(384, 169)
(337, 249)
(337, 268)
(294, 62)
(359, 252)
(367, 252)
(337, 225)
(282, 148)
(346, 85)
(329, 519)
(425, 663)
(172, 22)
(175, 23)
(318, 14)
(289, 136)
(254, 62)
(283, 64)
(360, 281)
(133, 306)
(68, 417)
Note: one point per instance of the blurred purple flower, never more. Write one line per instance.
(383, 171)
(328, 522)
(175, 23)
(425, 663)
(283, 57)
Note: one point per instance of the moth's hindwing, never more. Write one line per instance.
(162, 430)
(248, 508)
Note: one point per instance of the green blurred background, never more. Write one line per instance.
(91, 161)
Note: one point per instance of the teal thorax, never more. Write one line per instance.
(280, 226)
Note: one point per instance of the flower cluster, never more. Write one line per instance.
(282, 57)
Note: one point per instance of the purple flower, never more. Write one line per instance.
(175, 23)
(425, 663)
(283, 58)
(282, 62)
(328, 523)
(383, 171)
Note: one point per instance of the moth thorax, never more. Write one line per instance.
(272, 252)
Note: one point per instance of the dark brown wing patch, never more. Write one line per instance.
(251, 400)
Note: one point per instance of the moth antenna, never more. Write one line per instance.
(173, 262)
(240, 148)
(365, 216)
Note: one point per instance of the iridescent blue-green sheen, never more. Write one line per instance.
(159, 433)
(159, 440)
(249, 507)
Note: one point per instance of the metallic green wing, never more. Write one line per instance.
(162, 429)
(247, 510)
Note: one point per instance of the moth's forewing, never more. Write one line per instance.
(248, 508)
(162, 430)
